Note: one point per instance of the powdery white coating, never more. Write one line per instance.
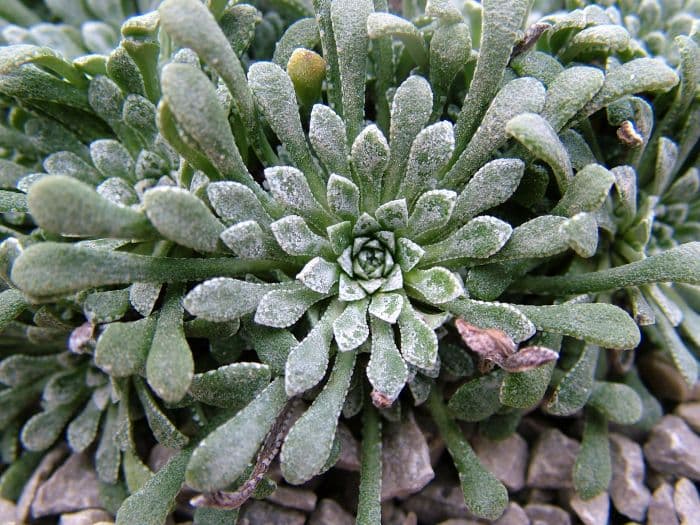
(283, 308)
(343, 197)
(581, 231)
(430, 152)
(393, 281)
(111, 158)
(665, 162)
(393, 215)
(301, 34)
(437, 285)
(610, 38)
(70, 164)
(296, 238)
(319, 275)
(450, 47)
(385, 24)
(386, 306)
(350, 328)
(289, 186)
(235, 202)
(479, 238)
(225, 299)
(387, 372)
(370, 156)
(163, 429)
(408, 254)
(247, 240)
(419, 345)
(230, 386)
(569, 92)
(538, 237)
(349, 289)
(82, 430)
(432, 211)
(587, 191)
(328, 137)
(492, 314)
(122, 348)
(117, 191)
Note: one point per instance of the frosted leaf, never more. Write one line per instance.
(502, 316)
(222, 457)
(569, 92)
(42, 429)
(578, 149)
(450, 47)
(387, 372)
(112, 159)
(21, 369)
(328, 138)
(139, 113)
(283, 308)
(587, 191)
(419, 345)
(350, 328)
(492, 185)
(301, 34)
(349, 289)
(541, 140)
(410, 111)
(478, 398)
(386, 306)
(308, 444)
(180, 216)
(71, 165)
(626, 187)
(664, 303)
(479, 238)
(343, 197)
(319, 275)
(393, 281)
(608, 38)
(340, 236)
(683, 358)
(429, 154)
(307, 361)
(248, 240)
(163, 429)
(122, 348)
(289, 186)
(349, 20)
(521, 95)
(118, 191)
(82, 430)
(106, 307)
(539, 237)
(437, 285)
(385, 24)
(431, 212)
(581, 230)
(365, 225)
(665, 163)
(143, 297)
(231, 386)
(370, 157)
(408, 254)
(235, 202)
(225, 299)
(445, 10)
(296, 238)
(393, 215)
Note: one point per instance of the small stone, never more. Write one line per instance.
(406, 465)
(8, 511)
(458, 521)
(41, 473)
(294, 498)
(506, 459)
(672, 448)
(691, 413)
(262, 513)
(438, 502)
(627, 490)
(542, 514)
(72, 487)
(594, 511)
(328, 511)
(664, 379)
(392, 514)
(85, 517)
(661, 509)
(159, 456)
(349, 450)
(514, 515)
(686, 501)
(552, 461)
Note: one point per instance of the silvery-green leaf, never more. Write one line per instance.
(21, 369)
(301, 34)
(478, 398)
(408, 254)
(436, 285)
(538, 237)
(410, 110)
(290, 187)
(592, 470)
(309, 442)
(581, 232)
(626, 186)
(183, 218)
(12, 303)
(617, 402)
(598, 323)
(537, 135)
(307, 362)
(224, 455)
(271, 345)
(82, 430)
(163, 429)
(42, 429)
(502, 22)
(169, 366)
(665, 162)
(586, 191)
(235, 202)
(387, 372)
(479, 238)
(143, 297)
(418, 341)
(637, 76)
(343, 197)
(136, 473)
(328, 138)
(122, 69)
(225, 299)
(369, 155)
(350, 328)
(11, 201)
(430, 152)
(112, 159)
(578, 149)
(61, 204)
(283, 308)
(319, 275)
(386, 306)
(492, 185)
(339, 236)
(502, 316)
(386, 24)
(527, 389)
(107, 306)
(117, 191)
(431, 212)
(393, 281)
(71, 165)
(521, 95)
(608, 38)
(669, 307)
(12, 57)
(349, 20)
(349, 289)
(450, 48)
(569, 92)
(683, 359)
(684, 187)
(122, 348)
(108, 455)
(393, 215)
(248, 240)
(296, 238)
(231, 386)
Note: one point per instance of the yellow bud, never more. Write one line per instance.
(307, 70)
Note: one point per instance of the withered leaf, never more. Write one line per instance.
(529, 358)
(489, 343)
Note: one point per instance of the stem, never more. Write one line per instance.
(369, 507)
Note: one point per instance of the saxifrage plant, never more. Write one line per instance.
(347, 211)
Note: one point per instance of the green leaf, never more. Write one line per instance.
(169, 366)
(106, 307)
(296, 238)
(64, 205)
(136, 474)
(42, 429)
(350, 328)
(319, 275)
(290, 187)
(393, 215)
(450, 48)
(593, 469)
(604, 38)
(432, 212)
(248, 240)
(683, 359)
(224, 455)
(163, 429)
(568, 92)
(236, 203)
(156, 499)
(20, 369)
(328, 136)
(180, 216)
(11, 201)
(370, 156)
(586, 191)
(418, 341)
(574, 389)
(301, 34)
(83, 429)
(12, 303)
(385, 24)
(618, 402)
(502, 316)
(223, 299)
(283, 308)
(271, 345)
(479, 238)
(477, 399)
(231, 386)
(598, 323)
(539, 237)
(309, 442)
(581, 232)
(343, 197)
(436, 285)
(386, 306)
(122, 348)
(369, 508)
(387, 372)
(536, 134)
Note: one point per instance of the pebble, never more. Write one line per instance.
(540, 514)
(294, 498)
(690, 412)
(85, 517)
(627, 490)
(8, 511)
(41, 473)
(262, 513)
(438, 502)
(506, 459)
(673, 448)
(661, 508)
(514, 515)
(552, 461)
(594, 511)
(329, 512)
(687, 501)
